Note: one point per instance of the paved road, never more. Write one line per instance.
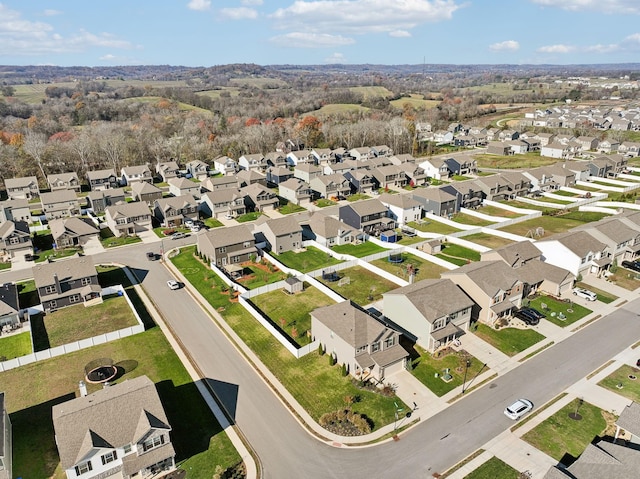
(286, 450)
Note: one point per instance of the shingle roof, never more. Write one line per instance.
(8, 305)
(629, 419)
(20, 182)
(144, 188)
(367, 207)
(127, 210)
(434, 194)
(73, 225)
(578, 242)
(283, 226)
(489, 276)
(520, 251)
(537, 271)
(72, 268)
(177, 202)
(401, 201)
(227, 236)
(326, 226)
(60, 196)
(100, 174)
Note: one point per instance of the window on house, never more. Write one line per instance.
(83, 468)
(14, 240)
(439, 323)
(375, 346)
(222, 249)
(53, 304)
(246, 244)
(153, 442)
(389, 342)
(50, 289)
(74, 298)
(109, 457)
(85, 281)
(127, 448)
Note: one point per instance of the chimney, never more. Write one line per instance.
(57, 282)
(83, 388)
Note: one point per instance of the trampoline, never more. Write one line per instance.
(100, 371)
(330, 275)
(395, 258)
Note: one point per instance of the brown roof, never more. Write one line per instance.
(629, 419)
(489, 276)
(74, 226)
(520, 251)
(367, 207)
(128, 210)
(350, 323)
(227, 236)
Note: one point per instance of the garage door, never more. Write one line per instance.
(393, 368)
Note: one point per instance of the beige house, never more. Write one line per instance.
(60, 204)
(64, 181)
(15, 239)
(128, 219)
(434, 311)
(327, 230)
(24, 188)
(183, 186)
(173, 211)
(514, 254)
(369, 349)
(15, 210)
(280, 234)
(72, 231)
(134, 174)
(227, 247)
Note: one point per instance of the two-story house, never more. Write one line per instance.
(437, 201)
(72, 231)
(254, 161)
(494, 287)
(435, 168)
(280, 234)
(276, 159)
(119, 431)
(361, 181)
(462, 165)
(402, 208)
(173, 211)
(65, 283)
(15, 210)
(128, 219)
(227, 247)
(60, 204)
(576, 251)
(389, 176)
(307, 171)
(226, 202)
(25, 188)
(433, 312)
(220, 182)
(327, 230)
(622, 239)
(277, 175)
(15, 239)
(102, 179)
(296, 191)
(369, 216)
(135, 174)
(468, 193)
(145, 192)
(259, 198)
(64, 181)
(167, 170)
(299, 157)
(98, 200)
(415, 174)
(368, 348)
(198, 169)
(183, 186)
(225, 165)
(249, 177)
(514, 254)
(334, 186)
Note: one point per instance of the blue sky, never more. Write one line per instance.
(266, 32)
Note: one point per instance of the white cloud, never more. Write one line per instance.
(251, 2)
(199, 5)
(399, 33)
(556, 49)
(604, 6)
(506, 46)
(336, 58)
(363, 15)
(311, 40)
(25, 37)
(240, 13)
(51, 13)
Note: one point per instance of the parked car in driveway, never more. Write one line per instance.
(527, 317)
(585, 294)
(632, 265)
(518, 409)
(178, 235)
(534, 312)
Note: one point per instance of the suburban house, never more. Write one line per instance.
(15, 210)
(324, 156)
(299, 157)
(276, 159)
(15, 239)
(296, 191)
(361, 181)
(369, 216)
(102, 179)
(514, 254)
(369, 349)
(600, 167)
(259, 198)
(331, 186)
(183, 186)
(361, 153)
(118, 431)
(249, 177)
(499, 148)
(72, 231)
(494, 287)
(433, 312)
(22, 188)
(540, 276)
(556, 150)
(167, 170)
(342, 167)
(437, 201)
(622, 239)
(10, 316)
(545, 178)
(134, 174)
(576, 251)
(468, 193)
(225, 165)
(389, 176)
(402, 208)
(145, 192)
(307, 172)
(220, 182)
(98, 200)
(227, 247)
(255, 161)
(60, 204)
(588, 143)
(463, 165)
(198, 169)
(128, 219)
(381, 150)
(173, 211)
(277, 175)
(224, 202)
(280, 234)
(629, 148)
(435, 168)
(326, 230)
(6, 452)
(415, 174)
(68, 282)
(64, 181)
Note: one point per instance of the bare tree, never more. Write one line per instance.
(35, 145)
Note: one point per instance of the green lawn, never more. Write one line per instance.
(423, 269)
(36, 387)
(317, 386)
(27, 294)
(291, 312)
(630, 387)
(500, 212)
(5, 265)
(306, 261)
(436, 227)
(488, 240)
(79, 322)
(465, 219)
(256, 276)
(252, 216)
(494, 468)
(529, 160)
(43, 245)
(290, 208)
(564, 438)
(572, 311)
(450, 259)
(510, 341)
(426, 367)
(554, 224)
(451, 249)
(603, 296)
(358, 250)
(357, 197)
(364, 287)
(15, 346)
(111, 241)
(212, 223)
(323, 203)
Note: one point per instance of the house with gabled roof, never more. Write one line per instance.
(24, 188)
(361, 153)
(72, 231)
(118, 431)
(368, 348)
(341, 167)
(629, 148)
(15, 239)
(182, 186)
(469, 194)
(327, 230)
(433, 312)
(462, 165)
(102, 179)
(588, 143)
(276, 159)
(331, 186)
(65, 283)
(435, 168)
(219, 182)
(415, 174)
(128, 219)
(280, 234)
(324, 156)
(254, 162)
(402, 208)
(381, 150)
(276, 175)
(98, 200)
(576, 251)
(225, 202)
(167, 170)
(296, 191)
(622, 239)
(225, 165)
(555, 150)
(259, 198)
(515, 254)
(145, 192)
(361, 180)
(250, 177)
(10, 315)
(173, 211)
(6, 436)
(134, 174)
(369, 216)
(227, 247)
(64, 181)
(307, 171)
(60, 204)
(15, 210)
(494, 286)
(389, 176)
(546, 277)
(298, 157)
(437, 201)
(198, 169)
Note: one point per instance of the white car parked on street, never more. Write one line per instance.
(585, 293)
(173, 284)
(518, 409)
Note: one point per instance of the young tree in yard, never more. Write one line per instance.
(294, 332)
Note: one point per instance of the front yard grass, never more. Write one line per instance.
(423, 269)
(603, 296)
(290, 208)
(554, 224)
(358, 250)
(15, 346)
(317, 386)
(309, 260)
(323, 203)
(36, 387)
(510, 341)
(572, 311)
(76, 322)
(432, 226)
(494, 468)
(290, 312)
(630, 387)
(212, 223)
(457, 251)
(427, 366)
(488, 240)
(465, 219)
(564, 438)
(625, 278)
(357, 197)
(109, 240)
(364, 286)
(43, 247)
(252, 216)
(5, 265)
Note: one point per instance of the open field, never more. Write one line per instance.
(414, 100)
(336, 108)
(528, 160)
(372, 91)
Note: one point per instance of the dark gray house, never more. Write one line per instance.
(468, 193)
(437, 201)
(98, 200)
(370, 216)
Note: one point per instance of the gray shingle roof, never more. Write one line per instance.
(144, 188)
(60, 196)
(283, 226)
(629, 419)
(128, 210)
(520, 251)
(367, 207)
(100, 174)
(8, 305)
(21, 182)
(73, 225)
(350, 323)
(227, 236)
(489, 276)
(578, 242)
(73, 268)
(434, 194)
